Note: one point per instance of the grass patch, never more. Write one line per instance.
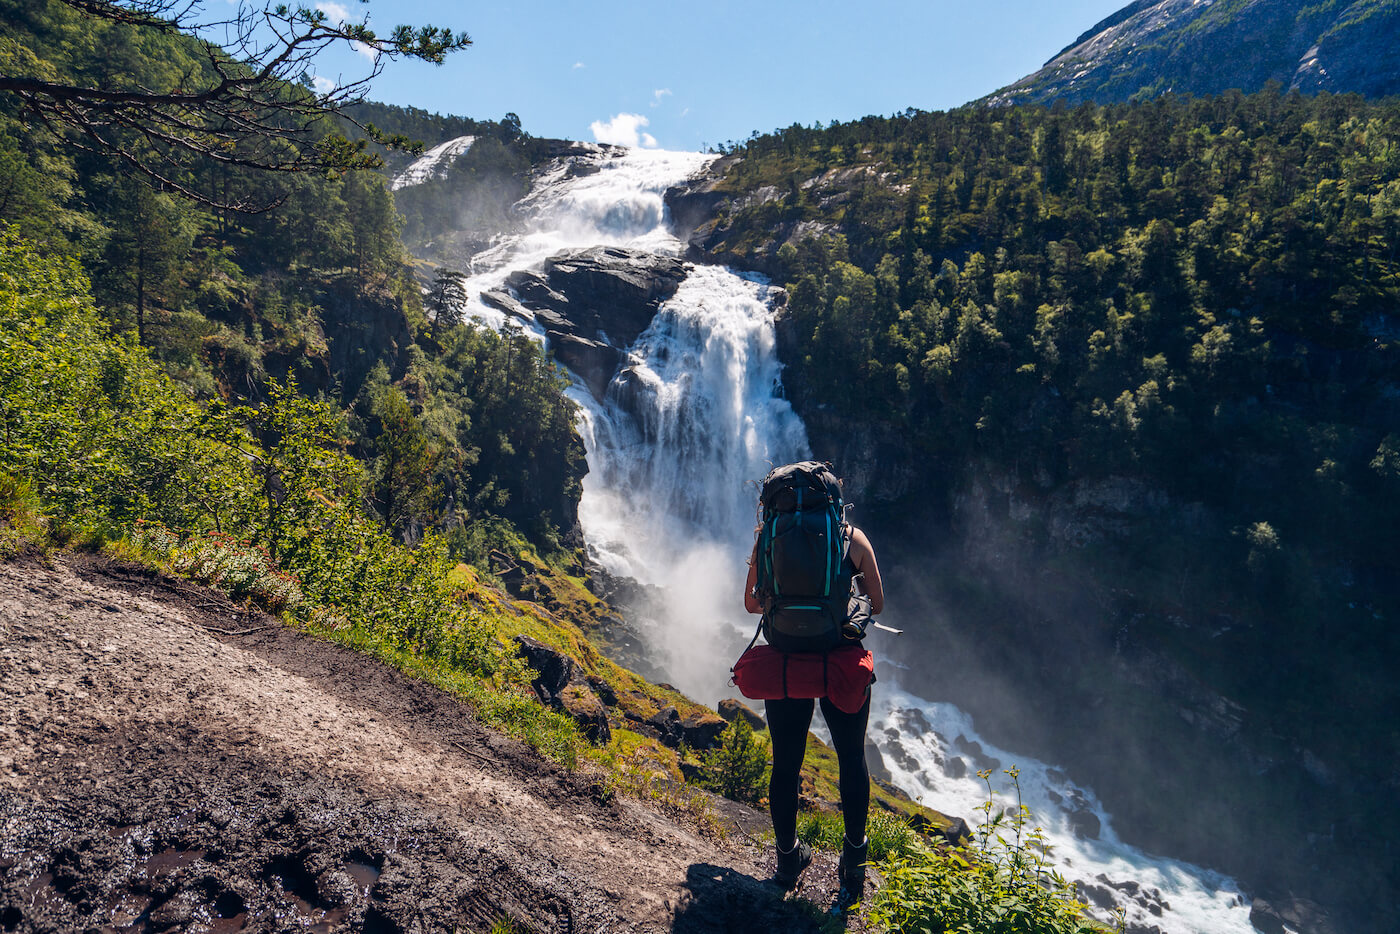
(891, 836)
(643, 769)
(22, 523)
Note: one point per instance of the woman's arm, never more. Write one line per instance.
(863, 557)
(750, 599)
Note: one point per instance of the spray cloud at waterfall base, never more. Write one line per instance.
(676, 443)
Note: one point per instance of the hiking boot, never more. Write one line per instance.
(851, 871)
(791, 864)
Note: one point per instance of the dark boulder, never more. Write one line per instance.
(604, 690)
(534, 290)
(955, 833)
(731, 709)
(667, 724)
(592, 304)
(1290, 914)
(592, 361)
(502, 301)
(579, 702)
(973, 750)
(893, 791)
(876, 763)
(561, 685)
(614, 290)
(1098, 895)
(1085, 824)
(554, 667)
(702, 729)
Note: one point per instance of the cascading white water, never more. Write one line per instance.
(432, 163)
(933, 752)
(674, 452)
(669, 499)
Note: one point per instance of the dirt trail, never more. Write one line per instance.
(165, 765)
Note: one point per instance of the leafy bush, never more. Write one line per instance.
(999, 883)
(739, 768)
(217, 559)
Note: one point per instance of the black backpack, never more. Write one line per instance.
(804, 573)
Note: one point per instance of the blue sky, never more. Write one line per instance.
(684, 75)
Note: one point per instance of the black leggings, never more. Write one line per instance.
(788, 721)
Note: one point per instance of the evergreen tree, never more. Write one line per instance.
(446, 297)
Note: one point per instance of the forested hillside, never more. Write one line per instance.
(1117, 387)
(1121, 384)
(310, 283)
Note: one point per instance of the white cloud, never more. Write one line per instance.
(339, 15)
(335, 11)
(623, 130)
(659, 95)
(578, 65)
(322, 85)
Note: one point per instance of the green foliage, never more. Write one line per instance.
(218, 560)
(445, 297)
(1192, 297)
(455, 426)
(145, 84)
(1001, 883)
(739, 768)
(97, 432)
(890, 835)
(262, 502)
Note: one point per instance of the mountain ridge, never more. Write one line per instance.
(1211, 46)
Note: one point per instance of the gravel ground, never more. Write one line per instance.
(167, 764)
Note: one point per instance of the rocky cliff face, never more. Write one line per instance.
(1210, 46)
(592, 304)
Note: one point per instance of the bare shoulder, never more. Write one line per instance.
(860, 543)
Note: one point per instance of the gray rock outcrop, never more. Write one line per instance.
(592, 304)
(731, 708)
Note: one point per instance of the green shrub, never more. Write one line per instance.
(821, 830)
(999, 883)
(739, 768)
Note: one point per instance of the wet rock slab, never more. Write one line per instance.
(592, 304)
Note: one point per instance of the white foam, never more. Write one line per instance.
(432, 163)
(934, 753)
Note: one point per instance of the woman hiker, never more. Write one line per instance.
(788, 723)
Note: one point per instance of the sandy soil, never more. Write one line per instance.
(167, 764)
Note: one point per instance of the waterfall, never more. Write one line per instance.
(674, 453)
(675, 449)
(432, 163)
